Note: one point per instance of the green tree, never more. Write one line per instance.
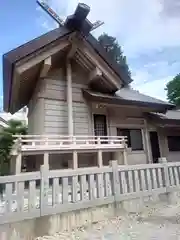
(173, 90)
(111, 45)
(15, 127)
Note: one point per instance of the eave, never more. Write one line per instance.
(23, 54)
(114, 100)
(162, 121)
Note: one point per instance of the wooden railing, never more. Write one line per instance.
(56, 142)
(31, 195)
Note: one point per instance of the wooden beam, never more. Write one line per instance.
(106, 70)
(76, 40)
(96, 73)
(45, 68)
(36, 59)
(72, 50)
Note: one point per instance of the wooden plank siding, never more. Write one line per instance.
(50, 99)
(56, 118)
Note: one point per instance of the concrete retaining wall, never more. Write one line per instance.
(48, 225)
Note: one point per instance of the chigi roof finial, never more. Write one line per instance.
(75, 22)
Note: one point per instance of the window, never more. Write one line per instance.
(174, 143)
(100, 126)
(134, 138)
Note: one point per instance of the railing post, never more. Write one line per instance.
(44, 188)
(115, 180)
(166, 173)
(125, 152)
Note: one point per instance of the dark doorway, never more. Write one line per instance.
(154, 146)
(100, 125)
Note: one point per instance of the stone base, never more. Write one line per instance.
(48, 225)
(173, 198)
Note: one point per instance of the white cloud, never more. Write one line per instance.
(141, 27)
(154, 88)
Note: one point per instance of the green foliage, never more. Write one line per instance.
(112, 46)
(15, 127)
(173, 90)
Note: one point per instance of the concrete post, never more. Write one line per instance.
(99, 158)
(115, 183)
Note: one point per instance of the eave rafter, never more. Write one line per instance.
(95, 74)
(45, 67)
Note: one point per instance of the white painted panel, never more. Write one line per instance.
(136, 157)
(173, 156)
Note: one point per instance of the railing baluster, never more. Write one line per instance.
(176, 176)
(137, 183)
(8, 197)
(20, 196)
(65, 190)
(83, 188)
(143, 182)
(91, 186)
(160, 177)
(171, 176)
(74, 188)
(55, 191)
(100, 192)
(130, 179)
(149, 179)
(107, 184)
(32, 195)
(154, 176)
(124, 182)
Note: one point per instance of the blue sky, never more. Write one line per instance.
(148, 31)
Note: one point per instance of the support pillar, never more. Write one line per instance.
(147, 143)
(18, 163)
(69, 98)
(46, 159)
(75, 160)
(125, 156)
(100, 158)
(163, 143)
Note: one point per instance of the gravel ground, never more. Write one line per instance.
(161, 222)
